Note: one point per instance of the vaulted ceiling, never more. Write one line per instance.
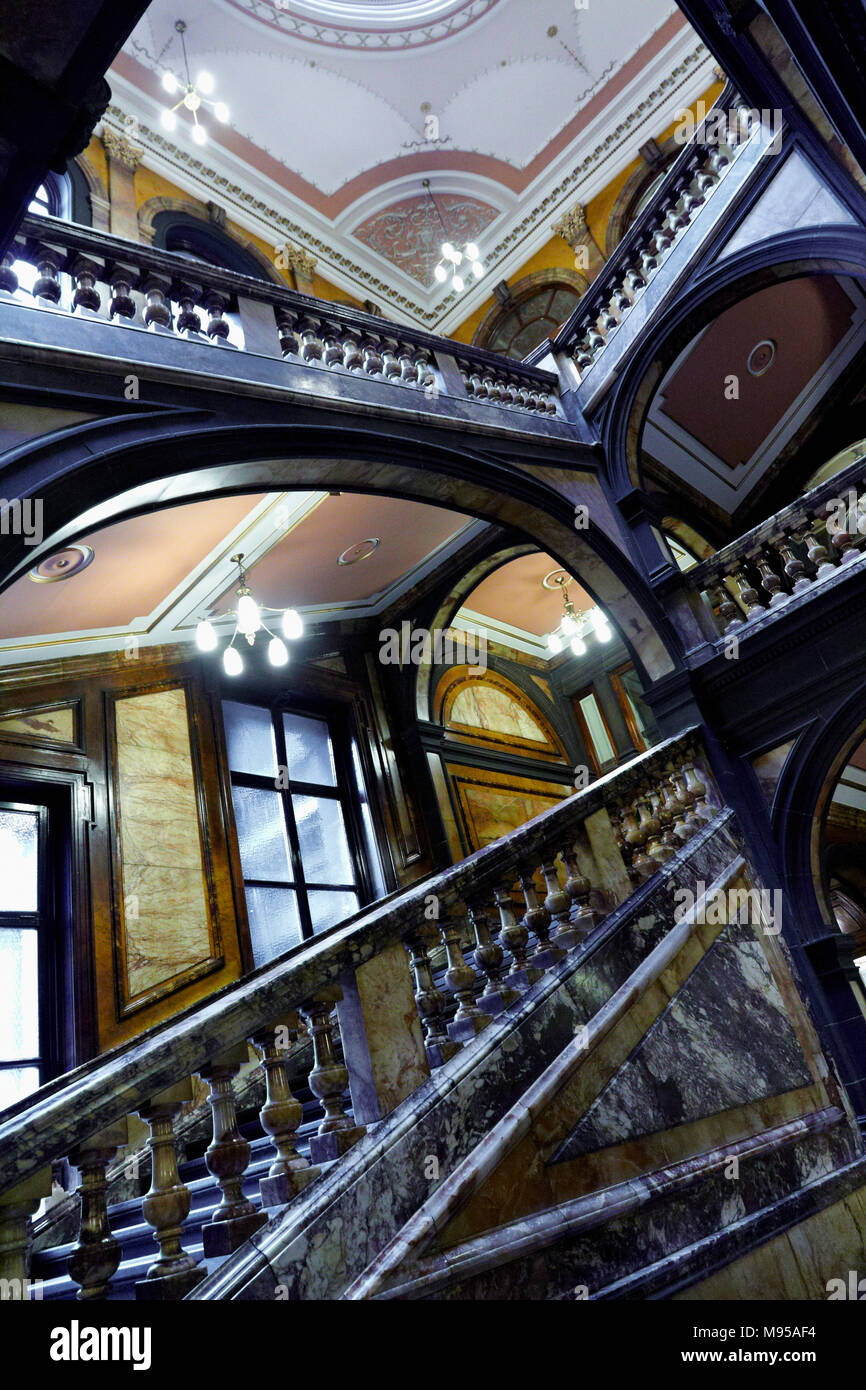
(339, 109)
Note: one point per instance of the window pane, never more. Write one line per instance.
(250, 739)
(274, 923)
(16, 1082)
(309, 751)
(261, 834)
(19, 994)
(19, 842)
(329, 907)
(597, 732)
(322, 835)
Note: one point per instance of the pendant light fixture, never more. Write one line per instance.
(248, 622)
(194, 95)
(457, 259)
(575, 623)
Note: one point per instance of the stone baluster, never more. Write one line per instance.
(514, 937)
(680, 829)
(770, 581)
(657, 847)
(85, 271)
(538, 920)
(390, 360)
(491, 384)
(309, 334)
(429, 998)
(558, 903)
(216, 305)
(95, 1258)
(280, 1118)
(227, 1157)
(650, 827)
(287, 321)
(687, 798)
(817, 552)
(460, 977)
(17, 1205)
(665, 812)
(793, 566)
(489, 957)
(748, 595)
(166, 1206)
(188, 295)
(8, 277)
(371, 355)
(844, 539)
(697, 786)
(48, 260)
(635, 836)
(353, 358)
(121, 278)
(579, 889)
(509, 391)
(328, 1081)
(408, 364)
(619, 821)
(332, 345)
(731, 617)
(157, 309)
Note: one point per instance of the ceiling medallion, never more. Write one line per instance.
(369, 25)
(762, 357)
(556, 579)
(62, 565)
(361, 550)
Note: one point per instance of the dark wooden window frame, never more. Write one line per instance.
(625, 705)
(585, 734)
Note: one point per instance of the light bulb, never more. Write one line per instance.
(168, 120)
(554, 644)
(249, 618)
(199, 134)
(169, 83)
(457, 282)
(232, 664)
(471, 251)
(578, 646)
(192, 100)
(603, 632)
(293, 626)
(221, 112)
(205, 83)
(456, 258)
(568, 624)
(441, 274)
(447, 250)
(205, 636)
(477, 269)
(278, 652)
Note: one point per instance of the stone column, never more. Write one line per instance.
(573, 228)
(124, 158)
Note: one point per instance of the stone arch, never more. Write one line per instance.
(524, 290)
(149, 211)
(100, 203)
(622, 213)
(77, 475)
(535, 733)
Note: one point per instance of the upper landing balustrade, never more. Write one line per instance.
(706, 180)
(106, 297)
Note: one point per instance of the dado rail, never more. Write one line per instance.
(547, 885)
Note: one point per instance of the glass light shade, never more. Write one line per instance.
(554, 644)
(293, 625)
(205, 636)
(192, 101)
(477, 269)
(278, 652)
(169, 83)
(578, 646)
(249, 617)
(458, 284)
(568, 624)
(221, 112)
(471, 251)
(447, 250)
(205, 83)
(603, 632)
(456, 257)
(199, 134)
(232, 664)
(168, 120)
(441, 274)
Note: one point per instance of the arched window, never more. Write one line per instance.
(203, 241)
(637, 191)
(53, 197)
(533, 310)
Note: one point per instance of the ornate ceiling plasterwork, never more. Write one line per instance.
(388, 26)
(410, 235)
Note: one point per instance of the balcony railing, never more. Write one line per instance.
(682, 199)
(790, 555)
(91, 276)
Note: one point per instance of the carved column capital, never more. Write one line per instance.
(119, 146)
(573, 226)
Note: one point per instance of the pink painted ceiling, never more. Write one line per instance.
(302, 569)
(136, 563)
(514, 594)
(409, 233)
(695, 398)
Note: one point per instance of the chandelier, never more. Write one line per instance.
(575, 623)
(249, 621)
(455, 259)
(195, 95)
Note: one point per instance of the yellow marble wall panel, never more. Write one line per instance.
(166, 923)
(56, 725)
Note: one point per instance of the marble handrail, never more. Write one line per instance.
(590, 852)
